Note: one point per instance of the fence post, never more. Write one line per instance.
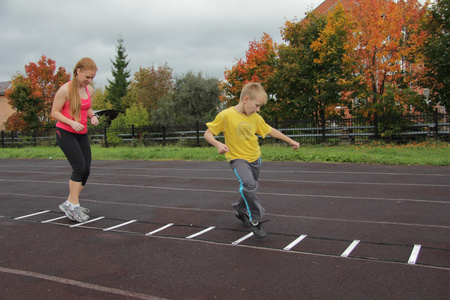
(106, 138)
(3, 139)
(132, 132)
(12, 138)
(198, 133)
(164, 135)
(436, 124)
(34, 137)
(375, 124)
(323, 128)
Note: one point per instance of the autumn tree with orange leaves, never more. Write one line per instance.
(32, 95)
(384, 39)
(258, 66)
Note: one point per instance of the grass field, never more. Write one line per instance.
(430, 153)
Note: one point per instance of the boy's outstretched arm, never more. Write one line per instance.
(221, 147)
(279, 135)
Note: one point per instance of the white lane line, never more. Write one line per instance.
(35, 214)
(350, 248)
(217, 170)
(51, 220)
(159, 229)
(295, 242)
(89, 221)
(263, 193)
(242, 239)
(80, 284)
(264, 180)
(119, 225)
(414, 254)
(201, 232)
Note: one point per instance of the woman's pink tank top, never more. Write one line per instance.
(85, 105)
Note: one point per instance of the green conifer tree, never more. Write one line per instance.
(118, 87)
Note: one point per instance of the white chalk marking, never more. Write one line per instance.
(350, 248)
(295, 242)
(120, 225)
(89, 221)
(35, 214)
(159, 229)
(414, 254)
(242, 239)
(51, 220)
(201, 232)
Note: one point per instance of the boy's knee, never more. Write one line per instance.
(250, 185)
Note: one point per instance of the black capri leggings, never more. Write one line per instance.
(77, 149)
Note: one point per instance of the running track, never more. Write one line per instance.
(166, 230)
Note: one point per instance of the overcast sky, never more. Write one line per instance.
(205, 36)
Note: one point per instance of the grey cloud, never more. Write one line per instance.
(200, 35)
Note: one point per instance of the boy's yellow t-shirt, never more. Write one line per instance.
(240, 133)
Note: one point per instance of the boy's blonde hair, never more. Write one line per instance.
(253, 90)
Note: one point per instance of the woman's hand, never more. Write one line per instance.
(77, 126)
(94, 120)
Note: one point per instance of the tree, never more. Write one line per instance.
(196, 98)
(436, 50)
(32, 95)
(100, 100)
(383, 42)
(165, 114)
(258, 66)
(135, 115)
(28, 107)
(300, 80)
(149, 85)
(118, 87)
(334, 72)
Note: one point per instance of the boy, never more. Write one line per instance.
(240, 124)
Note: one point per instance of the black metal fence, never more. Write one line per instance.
(313, 131)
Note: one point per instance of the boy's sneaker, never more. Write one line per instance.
(76, 214)
(244, 218)
(258, 230)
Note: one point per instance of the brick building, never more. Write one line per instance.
(328, 5)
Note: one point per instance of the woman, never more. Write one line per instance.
(71, 108)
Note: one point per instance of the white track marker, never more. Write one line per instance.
(295, 242)
(242, 239)
(350, 248)
(35, 214)
(201, 232)
(89, 221)
(51, 220)
(159, 229)
(414, 254)
(120, 225)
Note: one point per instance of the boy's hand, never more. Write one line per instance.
(295, 145)
(222, 148)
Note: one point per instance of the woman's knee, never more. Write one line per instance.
(79, 172)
